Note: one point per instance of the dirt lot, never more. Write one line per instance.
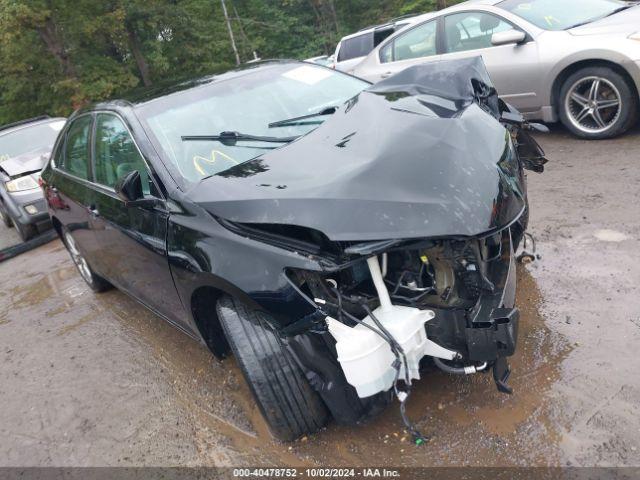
(91, 380)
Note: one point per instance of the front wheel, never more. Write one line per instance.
(288, 403)
(93, 280)
(598, 103)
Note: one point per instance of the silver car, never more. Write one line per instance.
(577, 61)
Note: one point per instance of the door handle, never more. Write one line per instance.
(386, 75)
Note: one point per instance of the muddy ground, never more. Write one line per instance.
(92, 380)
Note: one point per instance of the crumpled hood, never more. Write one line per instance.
(407, 158)
(27, 163)
(623, 23)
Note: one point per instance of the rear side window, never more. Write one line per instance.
(116, 153)
(76, 149)
(355, 47)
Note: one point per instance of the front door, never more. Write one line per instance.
(132, 240)
(512, 67)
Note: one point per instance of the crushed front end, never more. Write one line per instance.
(449, 299)
(400, 247)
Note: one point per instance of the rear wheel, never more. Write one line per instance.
(598, 103)
(95, 282)
(288, 403)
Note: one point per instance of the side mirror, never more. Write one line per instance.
(129, 187)
(508, 37)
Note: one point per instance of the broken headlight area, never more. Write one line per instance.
(382, 315)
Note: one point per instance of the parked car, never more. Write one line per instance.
(25, 147)
(324, 60)
(309, 223)
(577, 61)
(352, 49)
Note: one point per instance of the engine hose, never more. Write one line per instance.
(458, 370)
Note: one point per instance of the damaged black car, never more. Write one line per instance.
(331, 234)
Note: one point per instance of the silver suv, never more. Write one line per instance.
(577, 61)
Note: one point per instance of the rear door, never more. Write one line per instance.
(468, 34)
(132, 240)
(71, 186)
(414, 46)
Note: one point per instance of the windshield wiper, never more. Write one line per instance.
(294, 120)
(231, 138)
(617, 10)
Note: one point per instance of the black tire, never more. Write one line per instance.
(288, 403)
(616, 119)
(26, 232)
(91, 278)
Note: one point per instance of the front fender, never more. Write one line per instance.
(201, 252)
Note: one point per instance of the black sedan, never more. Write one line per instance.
(330, 234)
(25, 147)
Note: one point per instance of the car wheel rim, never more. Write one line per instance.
(593, 104)
(78, 259)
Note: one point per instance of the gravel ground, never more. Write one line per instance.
(96, 380)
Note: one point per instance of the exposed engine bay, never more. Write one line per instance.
(430, 276)
(449, 300)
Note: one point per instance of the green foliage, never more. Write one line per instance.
(56, 55)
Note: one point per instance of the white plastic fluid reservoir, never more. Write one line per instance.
(366, 358)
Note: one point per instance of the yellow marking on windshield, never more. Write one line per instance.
(197, 159)
(550, 19)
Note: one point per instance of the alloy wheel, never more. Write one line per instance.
(78, 259)
(593, 104)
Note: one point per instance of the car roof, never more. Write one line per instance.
(408, 19)
(29, 122)
(458, 6)
(478, 2)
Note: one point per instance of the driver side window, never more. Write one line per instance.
(116, 153)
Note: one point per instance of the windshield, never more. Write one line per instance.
(35, 138)
(561, 15)
(247, 103)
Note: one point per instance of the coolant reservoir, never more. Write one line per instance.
(366, 358)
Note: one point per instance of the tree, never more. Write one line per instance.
(57, 55)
